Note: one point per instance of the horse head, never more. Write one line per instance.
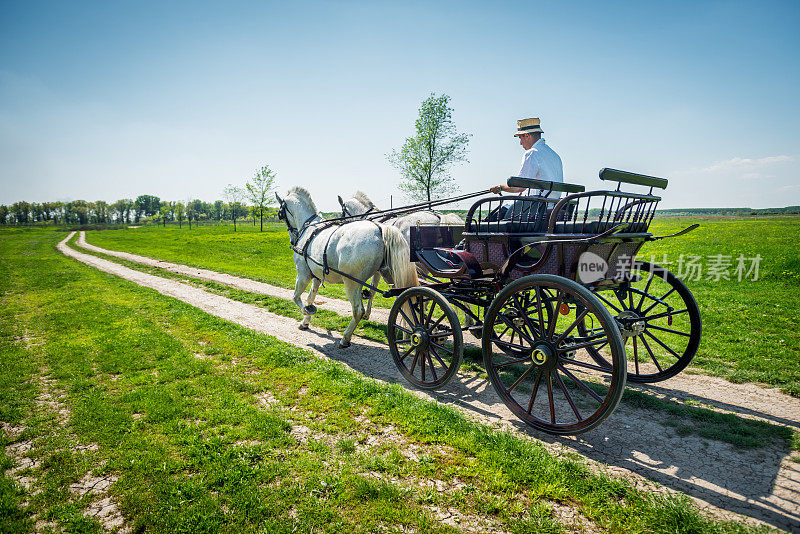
(298, 211)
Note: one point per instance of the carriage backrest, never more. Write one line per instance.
(598, 211)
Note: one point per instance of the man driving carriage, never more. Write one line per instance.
(539, 160)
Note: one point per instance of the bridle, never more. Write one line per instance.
(294, 233)
(346, 213)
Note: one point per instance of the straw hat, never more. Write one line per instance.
(525, 126)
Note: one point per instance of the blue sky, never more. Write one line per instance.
(101, 101)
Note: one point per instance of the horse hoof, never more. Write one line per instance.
(310, 309)
(344, 344)
(303, 326)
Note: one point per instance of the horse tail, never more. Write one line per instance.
(404, 273)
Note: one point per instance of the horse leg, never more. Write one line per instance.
(375, 280)
(309, 308)
(353, 291)
(300, 285)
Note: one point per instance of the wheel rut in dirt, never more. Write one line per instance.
(762, 484)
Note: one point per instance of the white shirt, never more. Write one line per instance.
(540, 162)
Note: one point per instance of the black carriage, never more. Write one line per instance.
(552, 287)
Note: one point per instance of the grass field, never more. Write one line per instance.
(750, 328)
(202, 426)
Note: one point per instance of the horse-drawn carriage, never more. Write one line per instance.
(551, 286)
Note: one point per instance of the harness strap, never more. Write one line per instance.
(327, 268)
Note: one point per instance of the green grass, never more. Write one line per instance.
(197, 419)
(687, 417)
(749, 328)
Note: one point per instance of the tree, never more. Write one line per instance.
(180, 209)
(164, 212)
(218, 210)
(146, 205)
(425, 160)
(235, 197)
(259, 191)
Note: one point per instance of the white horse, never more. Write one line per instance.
(360, 204)
(359, 249)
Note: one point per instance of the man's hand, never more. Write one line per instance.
(496, 189)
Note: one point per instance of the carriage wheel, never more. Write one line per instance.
(659, 321)
(425, 337)
(507, 339)
(552, 385)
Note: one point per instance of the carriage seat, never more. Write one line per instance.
(450, 263)
(595, 227)
(511, 227)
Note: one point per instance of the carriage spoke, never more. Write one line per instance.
(521, 378)
(550, 398)
(512, 362)
(601, 297)
(430, 361)
(535, 390)
(579, 346)
(437, 323)
(536, 333)
(568, 396)
(573, 325)
(539, 310)
(510, 345)
(652, 356)
(445, 333)
(551, 328)
(661, 328)
(511, 325)
(658, 301)
(438, 358)
(665, 314)
(406, 353)
(412, 305)
(636, 354)
(430, 313)
(607, 370)
(409, 321)
(662, 344)
(402, 329)
(414, 362)
(644, 293)
(580, 384)
(441, 347)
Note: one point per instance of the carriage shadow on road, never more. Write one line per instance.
(757, 482)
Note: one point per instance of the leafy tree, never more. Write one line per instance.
(235, 197)
(259, 191)
(77, 212)
(146, 205)
(425, 160)
(218, 210)
(164, 213)
(21, 211)
(3, 214)
(180, 211)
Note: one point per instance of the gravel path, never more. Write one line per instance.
(763, 484)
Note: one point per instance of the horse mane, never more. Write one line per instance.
(363, 198)
(303, 194)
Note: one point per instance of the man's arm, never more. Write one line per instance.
(506, 188)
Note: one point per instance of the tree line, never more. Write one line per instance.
(258, 191)
(123, 211)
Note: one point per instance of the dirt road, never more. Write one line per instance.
(760, 485)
